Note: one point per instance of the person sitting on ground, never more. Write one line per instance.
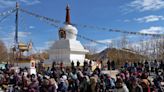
(145, 83)
(120, 86)
(135, 87)
(157, 82)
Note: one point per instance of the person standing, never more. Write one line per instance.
(78, 63)
(61, 65)
(90, 64)
(113, 65)
(109, 64)
(156, 67)
(152, 66)
(102, 66)
(72, 65)
(162, 65)
(146, 66)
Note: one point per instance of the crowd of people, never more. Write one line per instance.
(135, 77)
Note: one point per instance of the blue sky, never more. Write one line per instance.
(145, 16)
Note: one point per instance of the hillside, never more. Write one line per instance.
(118, 55)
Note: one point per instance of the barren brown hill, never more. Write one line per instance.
(118, 55)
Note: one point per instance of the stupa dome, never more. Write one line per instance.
(71, 31)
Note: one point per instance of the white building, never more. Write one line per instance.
(67, 48)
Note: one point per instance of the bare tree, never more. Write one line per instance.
(3, 52)
(160, 48)
(92, 49)
(124, 41)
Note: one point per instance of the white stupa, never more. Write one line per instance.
(67, 48)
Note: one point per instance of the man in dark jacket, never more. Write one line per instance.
(113, 65)
(78, 63)
(109, 64)
(72, 65)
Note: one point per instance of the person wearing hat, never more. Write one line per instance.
(135, 87)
